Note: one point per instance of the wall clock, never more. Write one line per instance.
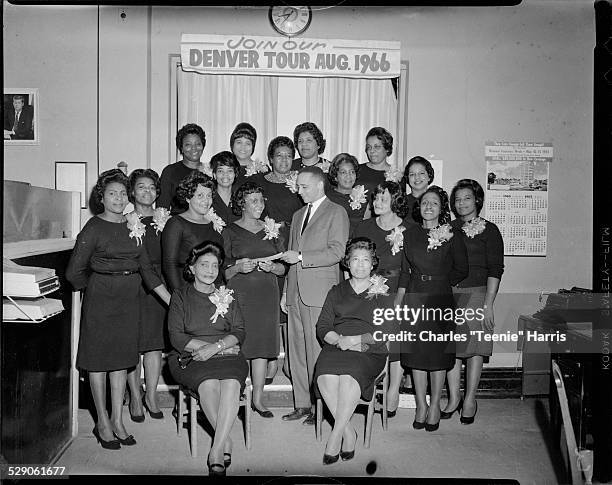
(290, 21)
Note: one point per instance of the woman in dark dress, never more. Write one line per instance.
(418, 175)
(225, 169)
(354, 198)
(351, 358)
(206, 329)
(190, 142)
(485, 249)
(109, 261)
(242, 144)
(190, 228)
(309, 142)
(282, 201)
(386, 230)
(253, 279)
(434, 259)
(379, 145)
(144, 185)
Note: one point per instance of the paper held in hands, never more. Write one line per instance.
(267, 259)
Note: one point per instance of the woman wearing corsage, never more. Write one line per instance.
(109, 263)
(386, 230)
(342, 175)
(485, 248)
(206, 329)
(144, 190)
(434, 259)
(351, 358)
(248, 243)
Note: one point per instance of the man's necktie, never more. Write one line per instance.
(306, 218)
(16, 121)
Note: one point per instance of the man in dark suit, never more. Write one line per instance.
(317, 241)
(18, 120)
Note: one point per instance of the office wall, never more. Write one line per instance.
(519, 73)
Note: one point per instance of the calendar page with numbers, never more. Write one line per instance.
(517, 194)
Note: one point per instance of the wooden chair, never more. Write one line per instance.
(574, 455)
(381, 384)
(192, 413)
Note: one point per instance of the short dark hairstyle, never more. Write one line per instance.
(244, 130)
(206, 247)
(360, 242)
(476, 189)
(444, 217)
(384, 136)
(414, 160)
(399, 202)
(142, 173)
(19, 96)
(108, 177)
(315, 171)
(280, 141)
(187, 187)
(337, 161)
(224, 159)
(313, 130)
(245, 189)
(189, 129)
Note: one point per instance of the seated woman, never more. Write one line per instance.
(206, 326)
(351, 358)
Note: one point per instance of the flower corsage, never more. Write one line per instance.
(256, 166)
(291, 181)
(205, 169)
(358, 197)
(271, 228)
(137, 228)
(474, 227)
(439, 235)
(393, 175)
(218, 223)
(325, 164)
(377, 287)
(160, 217)
(396, 239)
(221, 298)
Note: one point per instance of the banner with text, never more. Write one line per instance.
(274, 56)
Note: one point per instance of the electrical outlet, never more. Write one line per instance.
(122, 15)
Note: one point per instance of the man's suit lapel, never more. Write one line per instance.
(313, 217)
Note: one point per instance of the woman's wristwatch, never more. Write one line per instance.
(221, 346)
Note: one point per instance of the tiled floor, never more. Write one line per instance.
(507, 440)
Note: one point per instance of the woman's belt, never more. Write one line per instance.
(428, 277)
(117, 273)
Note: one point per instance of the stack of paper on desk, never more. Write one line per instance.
(35, 309)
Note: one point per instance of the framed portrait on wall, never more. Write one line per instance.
(20, 110)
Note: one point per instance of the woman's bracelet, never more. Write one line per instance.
(221, 345)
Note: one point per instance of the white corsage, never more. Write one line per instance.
(377, 287)
(160, 217)
(393, 175)
(221, 298)
(137, 228)
(218, 223)
(291, 182)
(271, 228)
(358, 197)
(474, 227)
(439, 235)
(256, 166)
(325, 164)
(396, 239)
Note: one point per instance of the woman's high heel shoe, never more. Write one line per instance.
(154, 415)
(329, 459)
(449, 414)
(469, 420)
(349, 455)
(216, 470)
(432, 427)
(263, 414)
(107, 445)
